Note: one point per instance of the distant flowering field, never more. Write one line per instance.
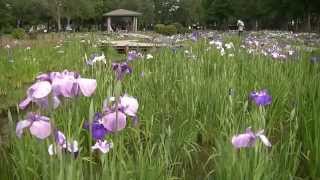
(215, 107)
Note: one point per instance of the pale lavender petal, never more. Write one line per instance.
(52, 150)
(25, 103)
(41, 129)
(56, 102)
(108, 100)
(130, 105)
(73, 147)
(40, 89)
(103, 146)
(63, 86)
(87, 86)
(264, 140)
(114, 121)
(243, 140)
(22, 125)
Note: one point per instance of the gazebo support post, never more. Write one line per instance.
(109, 24)
(135, 24)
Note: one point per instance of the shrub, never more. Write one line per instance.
(170, 30)
(159, 28)
(18, 33)
(179, 27)
(166, 30)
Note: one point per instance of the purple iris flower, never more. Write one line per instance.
(132, 55)
(62, 145)
(121, 69)
(98, 130)
(248, 139)
(103, 146)
(195, 36)
(261, 98)
(38, 93)
(115, 119)
(98, 134)
(66, 84)
(38, 125)
(129, 105)
(70, 84)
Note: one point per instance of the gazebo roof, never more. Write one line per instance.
(122, 12)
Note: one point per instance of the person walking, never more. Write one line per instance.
(240, 25)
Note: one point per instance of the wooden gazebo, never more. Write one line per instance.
(121, 19)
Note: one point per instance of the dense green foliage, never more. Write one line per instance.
(18, 33)
(257, 14)
(187, 117)
(166, 29)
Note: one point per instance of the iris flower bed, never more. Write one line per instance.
(184, 113)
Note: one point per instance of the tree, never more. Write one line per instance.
(218, 11)
(6, 17)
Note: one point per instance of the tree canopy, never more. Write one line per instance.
(257, 14)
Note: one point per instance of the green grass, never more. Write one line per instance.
(187, 117)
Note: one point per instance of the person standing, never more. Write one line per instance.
(240, 25)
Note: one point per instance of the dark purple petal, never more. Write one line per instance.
(261, 98)
(98, 131)
(121, 69)
(132, 55)
(60, 138)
